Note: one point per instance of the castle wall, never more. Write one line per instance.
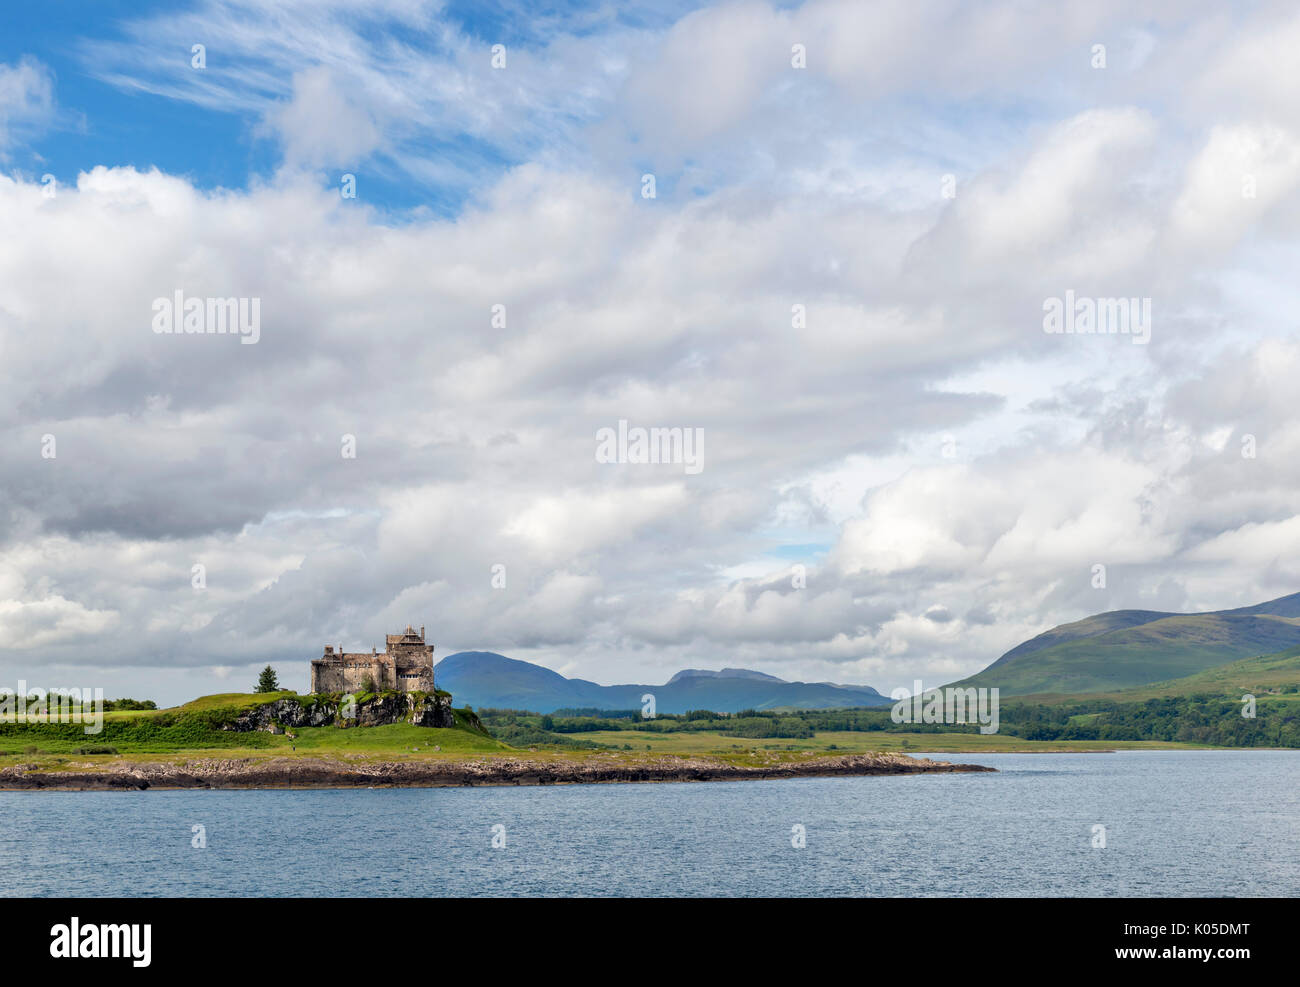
(351, 673)
(406, 666)
(415, 679)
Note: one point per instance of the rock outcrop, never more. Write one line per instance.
(418, 708)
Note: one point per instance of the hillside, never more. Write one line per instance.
(1264, 675)
(211, 723)
(1124, 649)
(483, 679)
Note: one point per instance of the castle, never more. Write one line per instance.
(405, 666)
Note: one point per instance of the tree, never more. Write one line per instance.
(267, 682)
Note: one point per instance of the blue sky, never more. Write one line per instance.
(137, 111)
(98, 123)
(126, 95)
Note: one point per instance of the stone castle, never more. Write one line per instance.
(405, 666)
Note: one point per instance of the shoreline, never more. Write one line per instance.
(321, 773)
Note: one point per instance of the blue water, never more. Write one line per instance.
(1177, 823)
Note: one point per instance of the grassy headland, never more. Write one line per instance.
(197, 745)
(1200, 711)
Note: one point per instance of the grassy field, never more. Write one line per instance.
(402, 741)
(221, 700)
(390, 742)
(193, 729)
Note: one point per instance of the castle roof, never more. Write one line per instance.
(409, 646)
(410, 636)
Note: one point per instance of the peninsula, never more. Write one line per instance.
(395, 737)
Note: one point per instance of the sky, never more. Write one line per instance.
(820, 237)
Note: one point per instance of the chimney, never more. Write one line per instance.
(421, 633)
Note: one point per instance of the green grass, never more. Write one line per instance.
(204, 704)
(194, 727)
(231, 700)
(393, 738)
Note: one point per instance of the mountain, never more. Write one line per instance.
(726, 673)
(486, 680)
(1127, 648)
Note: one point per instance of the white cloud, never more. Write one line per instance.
(42, 623)
(26, 98)
(321, 124)
(576, 522)
(476, 443)
(1238, 177)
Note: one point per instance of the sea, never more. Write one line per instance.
(1131, 823)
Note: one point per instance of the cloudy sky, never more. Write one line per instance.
(859, 213)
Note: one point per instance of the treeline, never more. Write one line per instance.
(519, 728)
(1197, 719)
(110, 705)
(751, 724)
(607, 714)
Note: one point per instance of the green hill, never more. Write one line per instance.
(1264, 675)
(1125, 649)
(197, 725)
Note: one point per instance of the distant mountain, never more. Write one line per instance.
(1127, 648)
(486, 680)
(726, 673)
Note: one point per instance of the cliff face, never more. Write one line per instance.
(419, 709)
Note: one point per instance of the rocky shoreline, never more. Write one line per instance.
(307, 772)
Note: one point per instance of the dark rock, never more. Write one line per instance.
(419, 709)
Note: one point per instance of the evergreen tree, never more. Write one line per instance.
(267, 682)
